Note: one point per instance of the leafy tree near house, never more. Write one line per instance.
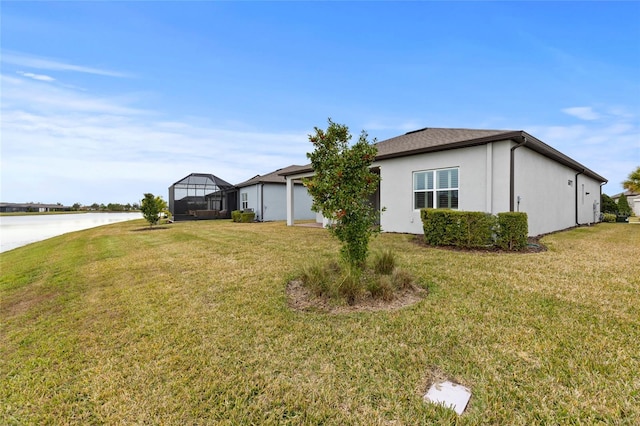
(623, 206)
(341, 187)
(633, 181)
(151, 207)
(608, 205)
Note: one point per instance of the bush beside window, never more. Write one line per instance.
(512, 231)
(243, 216)
(456, 228)
(474, 229)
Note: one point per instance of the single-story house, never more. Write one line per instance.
(491, 171)
(266, 196)
(633, 198)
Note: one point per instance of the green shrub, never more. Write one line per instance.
(512, 230)
(609, 217)
(246, 217)
(457, 228)
(474, 229)
(242, 216)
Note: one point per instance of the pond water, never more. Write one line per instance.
(17, 231)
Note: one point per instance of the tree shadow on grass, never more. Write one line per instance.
(155, 228)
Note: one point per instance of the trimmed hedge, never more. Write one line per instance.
(512, 231)
(242, 216)
(474, 229)
(457, 228)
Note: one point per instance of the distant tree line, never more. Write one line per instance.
(111, 207)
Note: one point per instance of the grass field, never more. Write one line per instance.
(190, 325)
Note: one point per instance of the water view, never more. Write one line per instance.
(17, 231)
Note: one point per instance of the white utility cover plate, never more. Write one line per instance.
(450, 395)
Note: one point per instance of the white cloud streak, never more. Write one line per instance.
(583, 113)
(40, 77)
(22, 60)
(610, 145)
(60, 145)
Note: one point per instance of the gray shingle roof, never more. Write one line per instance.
(435, 139)
(441, 139)
(273, 177)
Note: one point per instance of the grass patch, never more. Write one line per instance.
(191, 326)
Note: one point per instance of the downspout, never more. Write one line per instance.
(262, 202)
(575, 179)
(513, 173)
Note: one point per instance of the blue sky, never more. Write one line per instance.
(102, 102)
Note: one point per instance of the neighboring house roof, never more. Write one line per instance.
(202, 179)
(626, 193)
(441, 139)
(276, 176)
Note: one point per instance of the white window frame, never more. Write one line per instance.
(435, 188)
(244, 198)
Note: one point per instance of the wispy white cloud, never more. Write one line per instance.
(583, 113)
(73, 146)
(609, 145)
(29, 61)
(40, 77)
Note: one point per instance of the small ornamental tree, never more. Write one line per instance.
(341, 187)
(608, 205)
(624, 209)
(151, 208)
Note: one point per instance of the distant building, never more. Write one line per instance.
(31, 207)
(266, 195)
(633, 198)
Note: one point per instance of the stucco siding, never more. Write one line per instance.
(269, 201)
(253, 198)
(547, 192)
(544, 188)
(396, 186)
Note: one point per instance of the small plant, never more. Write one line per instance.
(344, 283)
(350, 284)
(384, 262)
(316, 279)
(381, 287)
(609, 217)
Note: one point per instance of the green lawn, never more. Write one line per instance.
(190, 325)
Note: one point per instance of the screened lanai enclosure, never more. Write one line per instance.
(202, 196)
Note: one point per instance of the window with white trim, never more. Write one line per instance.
(245, 200)
(435, 189)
